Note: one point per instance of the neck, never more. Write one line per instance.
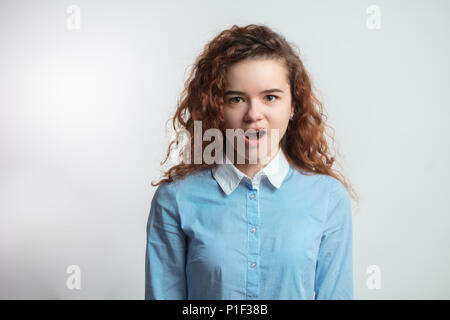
(252, 169)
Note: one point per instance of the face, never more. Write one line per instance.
(258, 95)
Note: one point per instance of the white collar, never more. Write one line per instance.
(229, 177)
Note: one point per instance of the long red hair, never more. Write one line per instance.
(304, 143)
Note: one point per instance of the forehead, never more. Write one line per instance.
(257, 74)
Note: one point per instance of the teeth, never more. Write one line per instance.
(255, 130)
(254, 133)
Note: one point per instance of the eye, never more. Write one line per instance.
(271, 95)
(232, 99)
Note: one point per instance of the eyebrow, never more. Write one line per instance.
(243, 93)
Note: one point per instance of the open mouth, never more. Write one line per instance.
(254, 135)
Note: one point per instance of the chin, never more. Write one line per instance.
(256, 155)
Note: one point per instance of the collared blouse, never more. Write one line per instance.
(217, 234)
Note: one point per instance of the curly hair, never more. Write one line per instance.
(304, 143)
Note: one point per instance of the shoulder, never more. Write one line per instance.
(315, 182)
(170, 191)
(337, 192)
(339, 204)
(164, 194)
(327, 187)
(334, 186)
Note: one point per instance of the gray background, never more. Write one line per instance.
(82, 132)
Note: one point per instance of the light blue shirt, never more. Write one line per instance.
(217, 234)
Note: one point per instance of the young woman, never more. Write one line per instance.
(278, 227)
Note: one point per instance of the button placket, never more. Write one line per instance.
(253, 272)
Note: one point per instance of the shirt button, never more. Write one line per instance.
(253, 265)
(252, 230)
(252, 196)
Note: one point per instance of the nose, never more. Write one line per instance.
(254, 112)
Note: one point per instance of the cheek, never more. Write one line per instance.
(279, 120)
(279, 123)
(232, 119)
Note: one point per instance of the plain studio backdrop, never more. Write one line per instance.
(86, 88)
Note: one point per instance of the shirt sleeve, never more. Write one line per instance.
(334, 270)
(165, 277)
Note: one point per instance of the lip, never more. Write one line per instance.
(255, 128)
(254, 142)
